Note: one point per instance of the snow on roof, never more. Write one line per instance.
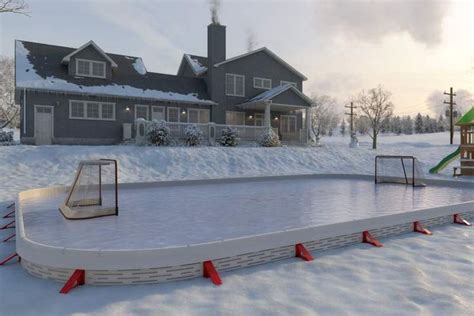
(196, 66)
(269, 53)
(269, 94)
(27, 77)
(139, 66)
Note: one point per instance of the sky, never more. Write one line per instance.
(416, 49)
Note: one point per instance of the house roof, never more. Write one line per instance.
(198, 64)
(96, 47)
(274, 92)
(269, 53)
(39, 67)
(467, 118)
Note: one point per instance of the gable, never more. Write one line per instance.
(250, 55)
(192, 66)
(290, 97)
(89, 48)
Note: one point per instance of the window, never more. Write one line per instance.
(173, 114)
(158, 113)
(282, 83)
(141, 111)
(234, 118)
(262, 83)
(87, 110)
(198, 116)
(90, 68)
(234, 85)
(259, 117)
(288, 124)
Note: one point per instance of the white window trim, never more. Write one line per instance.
(142, 106)
(168, 114)
(52, 118)
(90, 68)
(199, 110)
(263, 79)
(235, 85)
(243, 114)
(84, 102)
(296, 123)
(283, 82)
(159, 107)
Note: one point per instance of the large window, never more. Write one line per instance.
(262, 83)
(141, 111)
(282, 83)
(234, 85)
(90, 68)
(87, 110)
(234, 118)
(198, 116)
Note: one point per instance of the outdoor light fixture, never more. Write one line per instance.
(276, 118)
(250, 117)
(127, 109)
(184, 112)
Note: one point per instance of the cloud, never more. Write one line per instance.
(463, 99)
(373, 20)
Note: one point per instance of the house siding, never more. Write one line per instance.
(84, 131)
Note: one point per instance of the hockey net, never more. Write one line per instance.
(93, 192)
(398, 169)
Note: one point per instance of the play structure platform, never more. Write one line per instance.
(176, 230)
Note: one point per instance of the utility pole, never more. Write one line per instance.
(351, 114)
(451, 116)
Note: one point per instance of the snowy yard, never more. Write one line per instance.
(411, 274)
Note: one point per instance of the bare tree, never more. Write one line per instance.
(14, 6)
(9, 111)
(376, 105)
(324, 116)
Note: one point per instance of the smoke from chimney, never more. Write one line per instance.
(251, 41)
(214, 7)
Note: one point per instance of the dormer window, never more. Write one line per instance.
(90, 68)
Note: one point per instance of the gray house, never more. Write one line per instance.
(87, 96)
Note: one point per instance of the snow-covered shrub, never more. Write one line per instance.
(6, 137)
(269, 139)
(193, 135)
(229, 137)
(158, 133)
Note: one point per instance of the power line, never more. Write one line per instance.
(451, 116)
(352, 114)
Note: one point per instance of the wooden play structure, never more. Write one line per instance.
(466, 124)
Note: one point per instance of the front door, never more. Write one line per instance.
(43, 125)
(288, 127)
(158, 113)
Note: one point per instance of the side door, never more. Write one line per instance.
(44, 125)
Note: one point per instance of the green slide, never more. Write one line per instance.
(446, 161)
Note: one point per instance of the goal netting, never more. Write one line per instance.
(398, 169)
(94, 190)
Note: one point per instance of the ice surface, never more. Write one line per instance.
(178, 215)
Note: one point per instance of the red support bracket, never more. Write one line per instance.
(209, 271)
(303, 253)
(368, 238)
(10, 257)
(78, 277)
(457, 219)
(418, 227)
(7, 226)
(8, 215)
(8, 238)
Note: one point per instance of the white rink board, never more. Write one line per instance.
(172, 223)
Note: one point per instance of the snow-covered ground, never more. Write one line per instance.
(412, 274)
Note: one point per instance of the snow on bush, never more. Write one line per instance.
(229, 137)
(6, 137)
(193, 135)
(158, 133)
(269, 139)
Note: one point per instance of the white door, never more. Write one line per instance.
(43, 125)
(287, 124)
(158, 113)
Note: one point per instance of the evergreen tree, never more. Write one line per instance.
(343, 127)
(419, 128)
(441, 124)
(396, 125)
(407, 125)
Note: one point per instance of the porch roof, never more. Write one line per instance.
(281, 98)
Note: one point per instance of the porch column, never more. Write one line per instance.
(267, 118)
(309, 130)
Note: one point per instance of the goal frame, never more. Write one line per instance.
(401, 158)
(67, 208)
